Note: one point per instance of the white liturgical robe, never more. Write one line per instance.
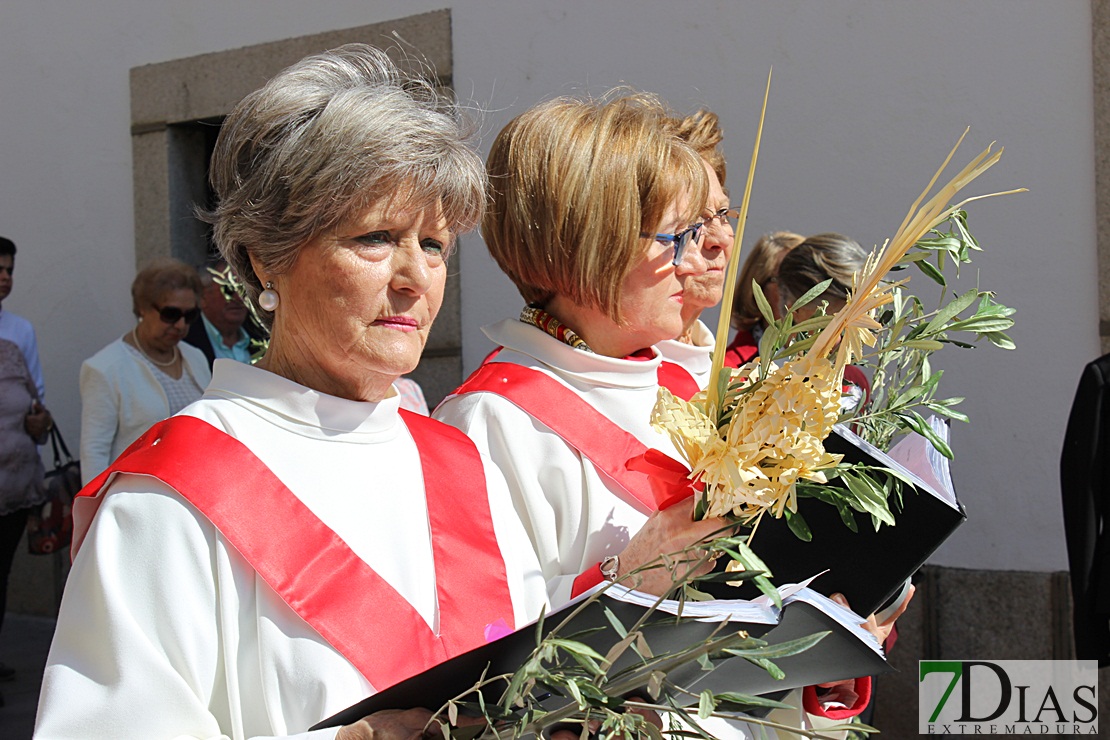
(574, 513)
(696, 358)
(166, 631)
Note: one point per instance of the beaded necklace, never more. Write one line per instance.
(138, 344)
(544, 321)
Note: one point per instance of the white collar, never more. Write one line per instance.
(300, 409)
(589, 368)
(696, 357)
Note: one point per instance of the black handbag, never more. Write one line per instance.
(50, 526)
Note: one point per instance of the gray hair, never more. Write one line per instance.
(325, 139)
(818, 258)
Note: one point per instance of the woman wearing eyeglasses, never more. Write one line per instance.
(692, 350)
(146, 375)
(593, 205)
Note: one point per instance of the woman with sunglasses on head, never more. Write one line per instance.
(592, 205)
(146, 375)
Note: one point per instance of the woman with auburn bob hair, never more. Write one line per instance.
(292, 543)
(593, 204)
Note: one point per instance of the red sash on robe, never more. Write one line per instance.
(616, 453)
(743, 348)
(313, 570)
(646, 479)
(677, 380)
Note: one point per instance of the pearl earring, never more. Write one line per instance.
(268, 299)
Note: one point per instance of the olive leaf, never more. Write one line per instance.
(903, 384)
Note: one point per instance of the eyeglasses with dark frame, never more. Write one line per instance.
(678, 241)
(173, 314)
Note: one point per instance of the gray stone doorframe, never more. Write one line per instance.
(173, 101)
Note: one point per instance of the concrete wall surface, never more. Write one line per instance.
(868, 96)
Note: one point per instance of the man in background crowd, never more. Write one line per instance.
(221, 332)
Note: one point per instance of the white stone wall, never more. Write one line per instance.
(868, 96)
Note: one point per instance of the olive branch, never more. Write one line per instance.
(610, 694)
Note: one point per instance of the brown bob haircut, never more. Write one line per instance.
(573, 184)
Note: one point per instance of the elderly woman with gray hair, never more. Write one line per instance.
(292, 542)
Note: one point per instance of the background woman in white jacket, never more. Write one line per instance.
(147, 374)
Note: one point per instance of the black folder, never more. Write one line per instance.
(844, 653)
(868, 567)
